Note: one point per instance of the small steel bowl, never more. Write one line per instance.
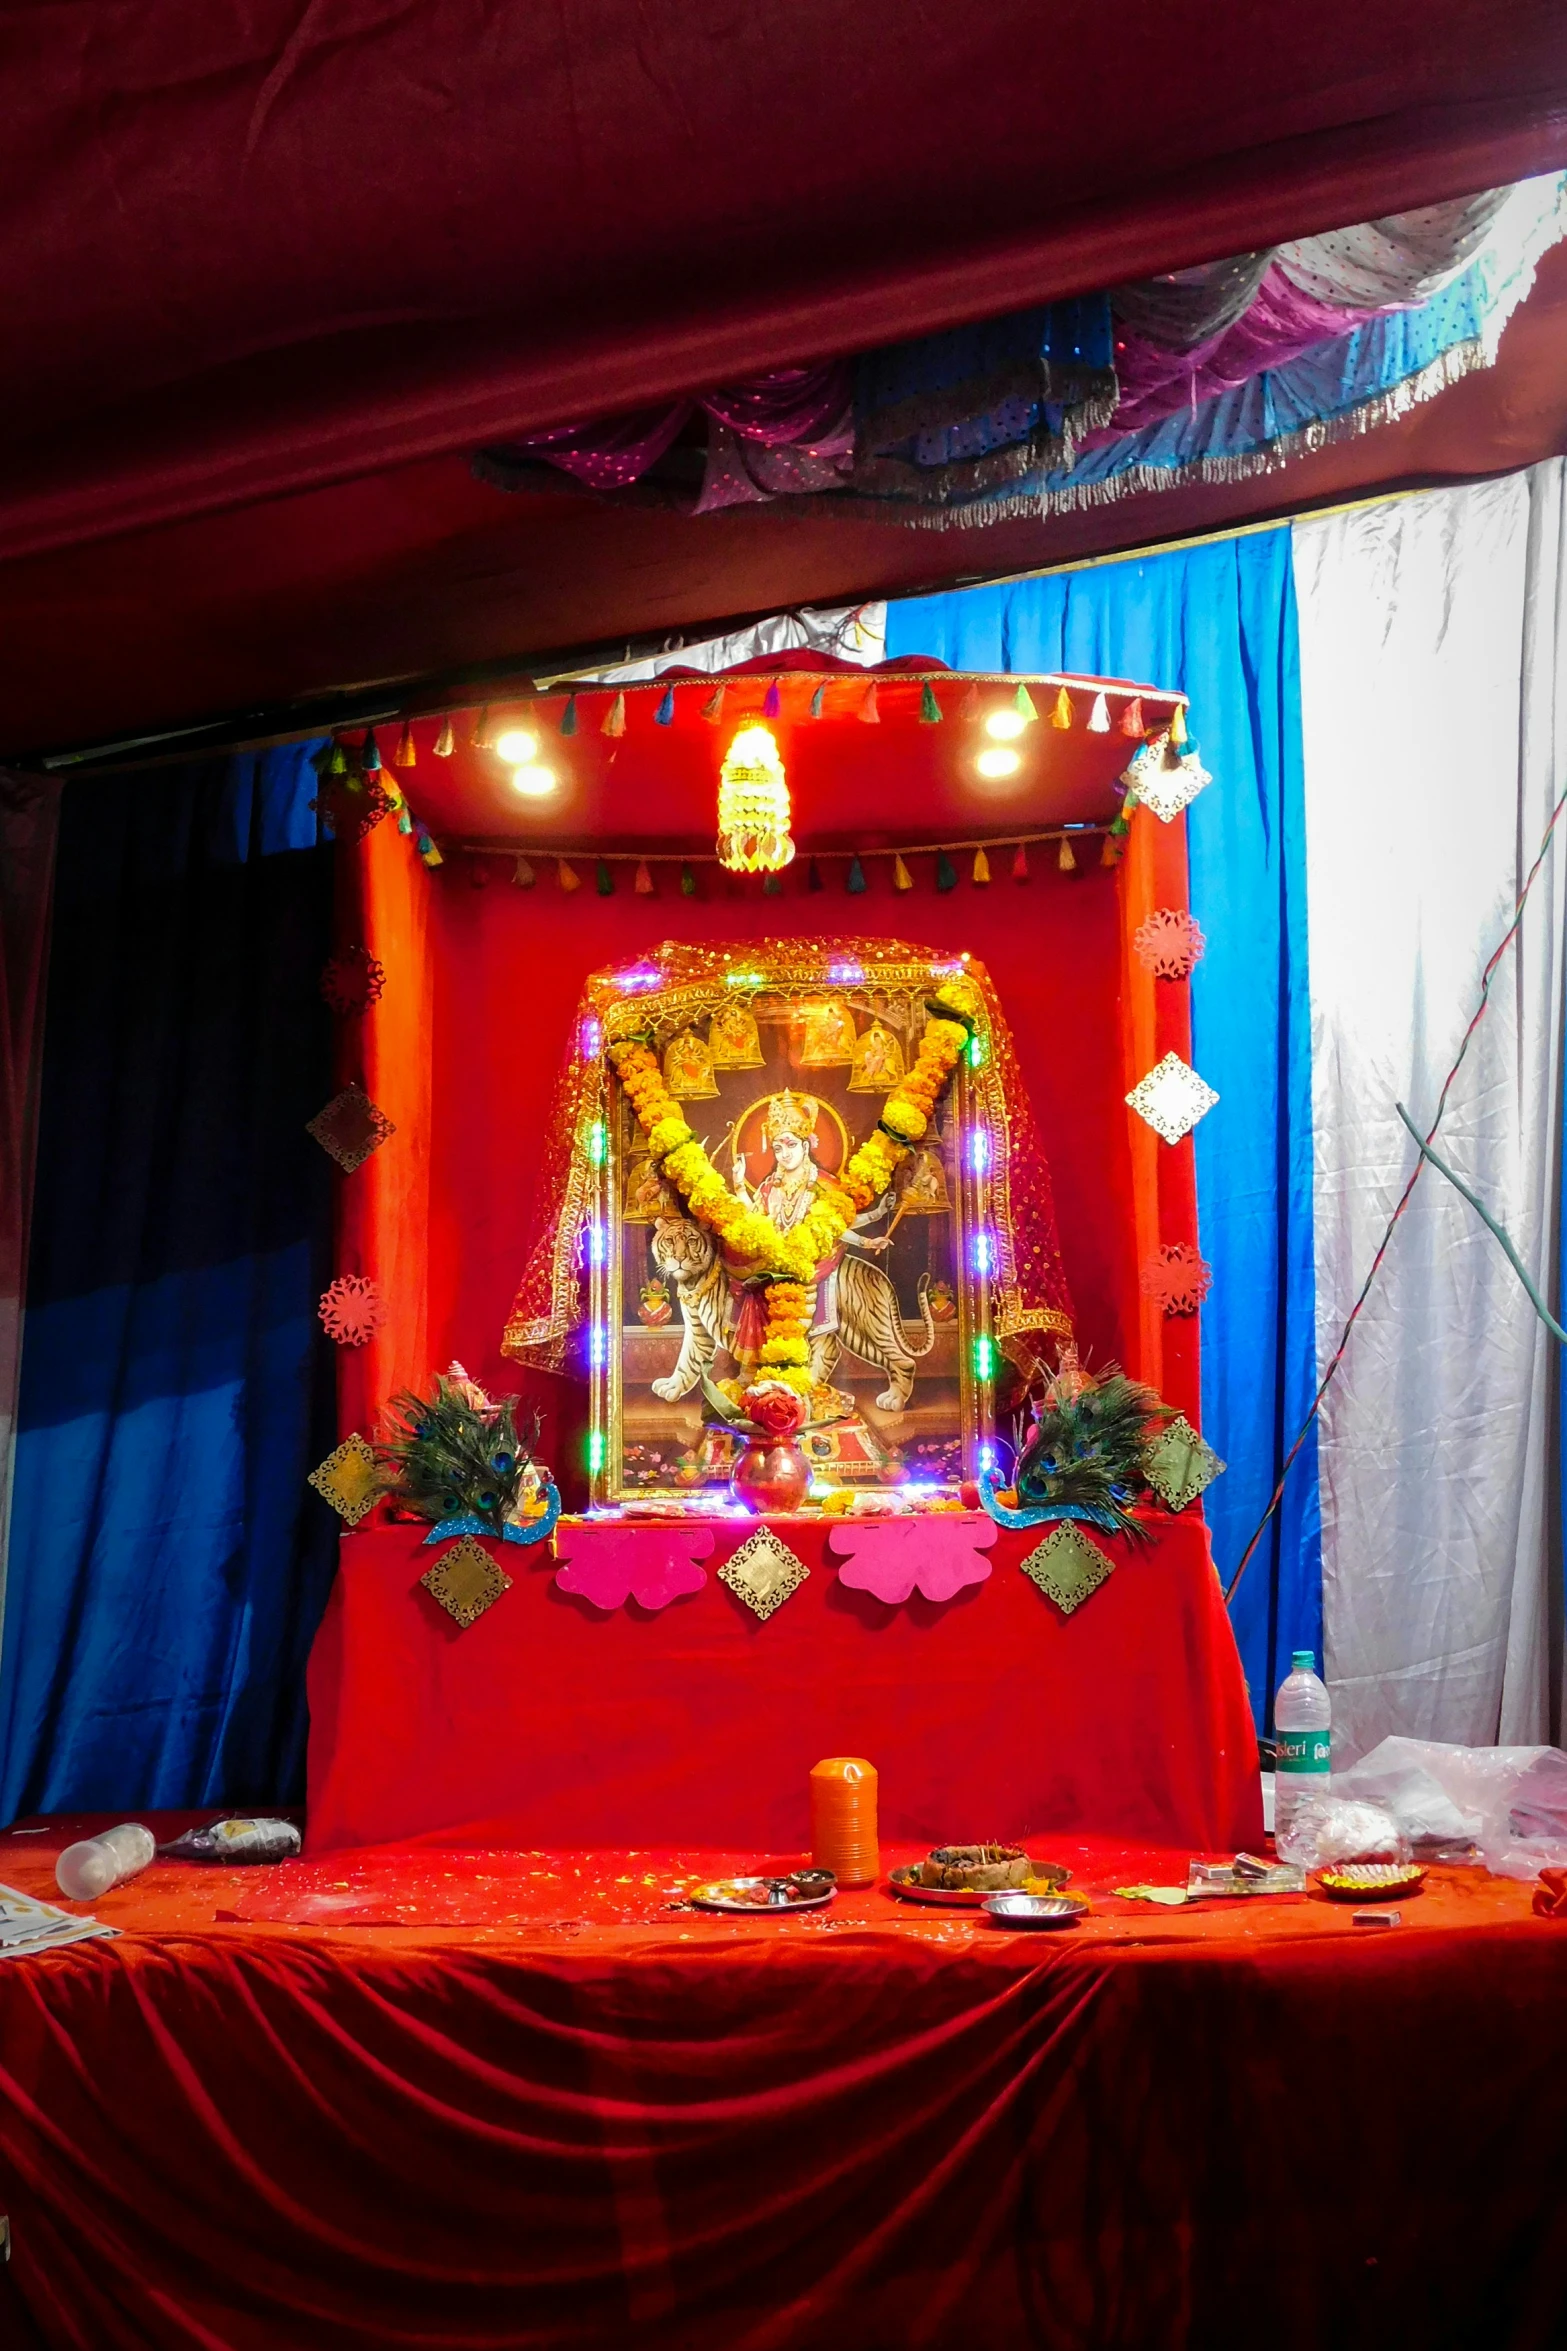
(1034, 1910)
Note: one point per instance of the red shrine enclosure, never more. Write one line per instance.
(579, 1710)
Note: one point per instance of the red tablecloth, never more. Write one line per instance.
(568, 2119)
(992, 1715)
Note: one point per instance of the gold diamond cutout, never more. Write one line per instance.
(763, 1572)
(1164, 781)
(350, 1479)
(1180, 1465)
(1172, 1098)
(350, 1128)
(466, 1581)
(1068, 1567)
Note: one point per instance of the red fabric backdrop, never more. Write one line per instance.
(550, 1721)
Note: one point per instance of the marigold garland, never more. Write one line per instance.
(788, 1262)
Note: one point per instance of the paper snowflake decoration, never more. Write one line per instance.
(353, 981)
(1168, 943)
(350, 1127)
(1164, 779)
(1177, 1277)
(352, 1310)
(1172, 1098)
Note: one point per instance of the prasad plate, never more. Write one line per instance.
(902, 1883)
(1033, 1911)
(711, 1897)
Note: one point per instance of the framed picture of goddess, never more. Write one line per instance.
(781, 1076)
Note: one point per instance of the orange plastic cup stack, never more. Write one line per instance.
(843, 1819)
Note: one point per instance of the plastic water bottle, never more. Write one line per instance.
(90, 1867)
(1303, 1738)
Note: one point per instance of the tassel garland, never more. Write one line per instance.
(407, 756)
(337, 764)
(930, 708)
(568, 717)
(664, 715)
(1178, 728)
(642, 884)
(1132, 719)
(370, 754)
(981, 873)
(1020, 863)
(869, 713)
(813, 877)
(946, 873)
(713, 707)
(1023, 703)
(855, 885)
(1099, 716)
(1061, 716)
(604, 880)
(480, 738)
(770, 701)
(817, 700)
(614, 721)
(445, 741)
(969, 707)
(523, 875)
(1065, 861)
(902, 879)
(567, 876)
(772, 885)
(687, 882)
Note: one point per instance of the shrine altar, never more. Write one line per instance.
(551, 1720)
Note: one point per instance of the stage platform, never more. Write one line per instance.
(397, 2099)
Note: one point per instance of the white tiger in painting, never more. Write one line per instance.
(870, 1321)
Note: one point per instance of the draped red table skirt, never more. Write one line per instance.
(551, 1722)
(546, 2112)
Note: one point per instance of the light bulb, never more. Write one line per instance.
(516, 747)
(1005, 725)
(534, 782)
(999, 762)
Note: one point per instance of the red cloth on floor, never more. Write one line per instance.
(988, 1715)
(605, 2123)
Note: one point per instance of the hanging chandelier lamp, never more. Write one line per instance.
(753, 805)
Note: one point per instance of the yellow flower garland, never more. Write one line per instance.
(792, 1258)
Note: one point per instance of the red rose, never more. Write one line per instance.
(777, 1410)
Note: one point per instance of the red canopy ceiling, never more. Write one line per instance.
(259, 251)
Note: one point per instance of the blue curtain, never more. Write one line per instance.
(1219, 621)
(168, 1565)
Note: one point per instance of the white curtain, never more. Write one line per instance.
(1434, 706)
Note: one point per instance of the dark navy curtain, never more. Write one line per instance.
(1218, 621)
(168, 1564)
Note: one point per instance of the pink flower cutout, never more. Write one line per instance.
(1168, 943)
(609, 1565)
(936, 1555)
(1177, 1277)
(352, 1310)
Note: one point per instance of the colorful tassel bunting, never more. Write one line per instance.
(817, 701)
(1020, 863)
(664, 715)
(970, 705)
(981, 873)
(445, 741)
(1132, 719)
(770, 702)
(642, 884)
(687, 882)
(1110, 854)
(946, 873)
(405, 822)
(869, 713)
(1178, 727)
(407, 755)
(855, 885)
(428, 851)
(523, 875)
(902, 879)
(1065, 861)
(1061, 716)
(567, 876)
(1099, 716)
(337, 764)
(813, 876)
(480, 738)
(370, 753)
(1024, 704)
(713, 707)
(615, 717)
(604, 880)
(930, 708)
(568, 717)
(772, 885)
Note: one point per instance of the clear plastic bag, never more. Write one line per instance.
(236, 1840)
(1505, 1805)
(1334, 1827)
